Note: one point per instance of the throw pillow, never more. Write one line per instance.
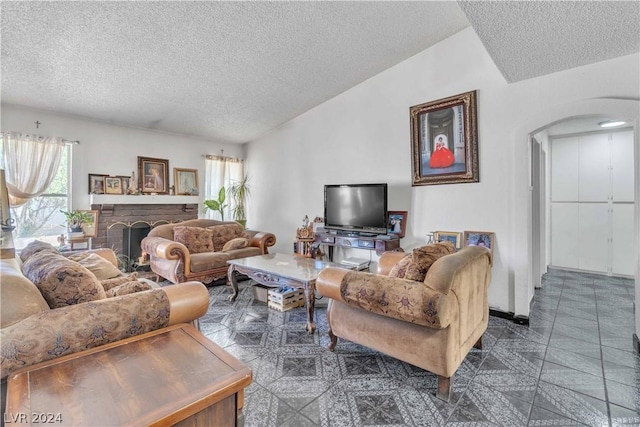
(112, 283)
(423, 257)
(222, 233)
(416, 266)
(237, 243)
(99, 266)
(196, 239)
(61, 281)
(400, 269)
(128, 288)
(35, 247)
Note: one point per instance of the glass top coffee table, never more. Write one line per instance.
(277, 270)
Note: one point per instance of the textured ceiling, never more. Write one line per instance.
(528, 39)
(232, 71)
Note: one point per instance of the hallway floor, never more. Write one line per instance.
(574, 365)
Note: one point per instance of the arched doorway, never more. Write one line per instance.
(523, 227)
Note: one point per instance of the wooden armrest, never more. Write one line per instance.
(261, 239)
(188, 301)
(165, 248)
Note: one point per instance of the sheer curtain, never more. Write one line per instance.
(220, 172)
(30, 162)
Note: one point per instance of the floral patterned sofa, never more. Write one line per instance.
(427, 308)
(53, 305)
(199, 249)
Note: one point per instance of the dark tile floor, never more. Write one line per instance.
(574, 365)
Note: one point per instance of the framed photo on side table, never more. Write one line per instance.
(397, 223)
(480, 238)
(96, 183)
(454, 237)
(153, 175)
(186, 181)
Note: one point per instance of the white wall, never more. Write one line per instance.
(113, 150)
(363, 135)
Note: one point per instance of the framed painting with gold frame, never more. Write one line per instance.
(186, 181)
(153, 175)
(112, 185)
(444, 141)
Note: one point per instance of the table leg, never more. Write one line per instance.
(233, 281)
(309, 293)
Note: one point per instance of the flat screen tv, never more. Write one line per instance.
(358, 208)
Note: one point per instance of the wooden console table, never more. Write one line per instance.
(373, 243)
(172, 376)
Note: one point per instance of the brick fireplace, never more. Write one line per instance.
(120, 222)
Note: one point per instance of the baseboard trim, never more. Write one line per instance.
(520, 320)
(636, 343)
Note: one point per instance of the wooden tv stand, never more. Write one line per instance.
(372, 243)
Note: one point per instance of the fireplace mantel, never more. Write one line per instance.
(115, 199)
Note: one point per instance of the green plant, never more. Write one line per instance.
(217, 205)
(75, 219)
(239, 191)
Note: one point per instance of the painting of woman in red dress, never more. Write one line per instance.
(441, 157)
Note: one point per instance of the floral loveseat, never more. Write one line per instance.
(427, 308)
(199, 249)
(52, 305)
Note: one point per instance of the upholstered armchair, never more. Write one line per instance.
(199, 249)
(432, 323)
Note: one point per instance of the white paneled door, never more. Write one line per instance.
(592, 202)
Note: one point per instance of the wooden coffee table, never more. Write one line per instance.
(172, 376)
(277, 270)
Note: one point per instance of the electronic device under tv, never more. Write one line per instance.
(356, 208)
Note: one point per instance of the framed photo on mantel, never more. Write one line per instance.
(153, 175)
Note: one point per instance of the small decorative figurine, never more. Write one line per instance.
(133, 186)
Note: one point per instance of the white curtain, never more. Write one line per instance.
(221, 172)
(30, 162)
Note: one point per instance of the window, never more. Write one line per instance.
(221, 172)
(40, 217)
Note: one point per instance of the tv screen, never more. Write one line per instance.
(356, 207)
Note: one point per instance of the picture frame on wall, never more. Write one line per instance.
(112, 185)
(397, 223)
(91, 230)
(444, 141)
(480, 238)
(454, 237)
(186, 181)
(96, 183)
(153, 175)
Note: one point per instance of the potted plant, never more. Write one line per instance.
(217, 205)
(75, 220)
(239, 191)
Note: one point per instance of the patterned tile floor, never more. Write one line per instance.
(574, 365)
